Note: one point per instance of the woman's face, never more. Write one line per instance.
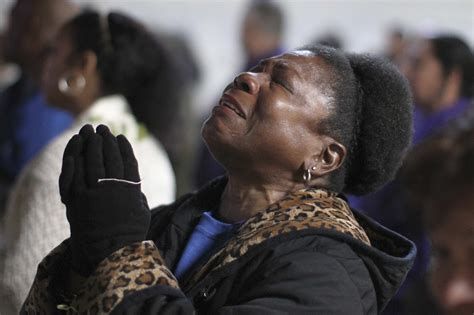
(57, 67)
(452, 275)
(266, 121)
(428, 78)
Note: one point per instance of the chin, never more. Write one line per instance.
(213, 132)
(211, 138)
(220, 147)
(207, 131)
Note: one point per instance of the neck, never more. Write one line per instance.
(242, 200)
(84, 101)
(81, 106)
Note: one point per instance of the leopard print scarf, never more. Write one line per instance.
(306, 208)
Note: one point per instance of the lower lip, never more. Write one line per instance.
(223, 109)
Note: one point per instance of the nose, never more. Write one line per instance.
(247, 82)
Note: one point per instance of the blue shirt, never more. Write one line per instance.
(207, 238)
(33, 125)
(426, 124)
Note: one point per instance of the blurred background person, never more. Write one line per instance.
(396, 46)
(262, 32)
(9, 72)
(89, 72)
(168, 114)
(261, 37)
(27, 123)
(439, 175)
(442, 80)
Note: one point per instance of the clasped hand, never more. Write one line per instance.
(104, 215)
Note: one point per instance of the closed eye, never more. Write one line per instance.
(283, 83)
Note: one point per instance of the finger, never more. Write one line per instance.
(86, 131)
(130, 164)
(94, 166)
(66, 177)
(79, 179)
(74, 147)
(101, 129)
(112, 158)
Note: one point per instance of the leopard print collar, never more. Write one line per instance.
(306, 208)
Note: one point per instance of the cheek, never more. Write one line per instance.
(280, 143)
(429, 78)
(49, 80)
(281, 122)
(52, 73)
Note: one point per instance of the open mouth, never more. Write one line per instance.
(232, 107)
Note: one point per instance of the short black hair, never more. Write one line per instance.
(270, 16)
(453, 53)
(129, 59)
(439, 171)
(371, 116)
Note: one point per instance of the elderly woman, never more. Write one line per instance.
(275, 235)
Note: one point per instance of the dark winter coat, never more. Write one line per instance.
(306, 254)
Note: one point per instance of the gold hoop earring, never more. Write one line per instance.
(66, 88)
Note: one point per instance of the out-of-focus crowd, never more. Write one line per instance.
(79, 66)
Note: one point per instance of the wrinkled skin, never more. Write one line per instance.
(280, 106)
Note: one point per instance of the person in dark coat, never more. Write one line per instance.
(275, 236)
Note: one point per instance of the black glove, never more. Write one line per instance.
(103, 215)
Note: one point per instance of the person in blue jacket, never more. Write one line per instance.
(27, 122)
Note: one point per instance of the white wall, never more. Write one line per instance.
(212, 27)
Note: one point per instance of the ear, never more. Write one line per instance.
(328, 159)
(82, 69)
